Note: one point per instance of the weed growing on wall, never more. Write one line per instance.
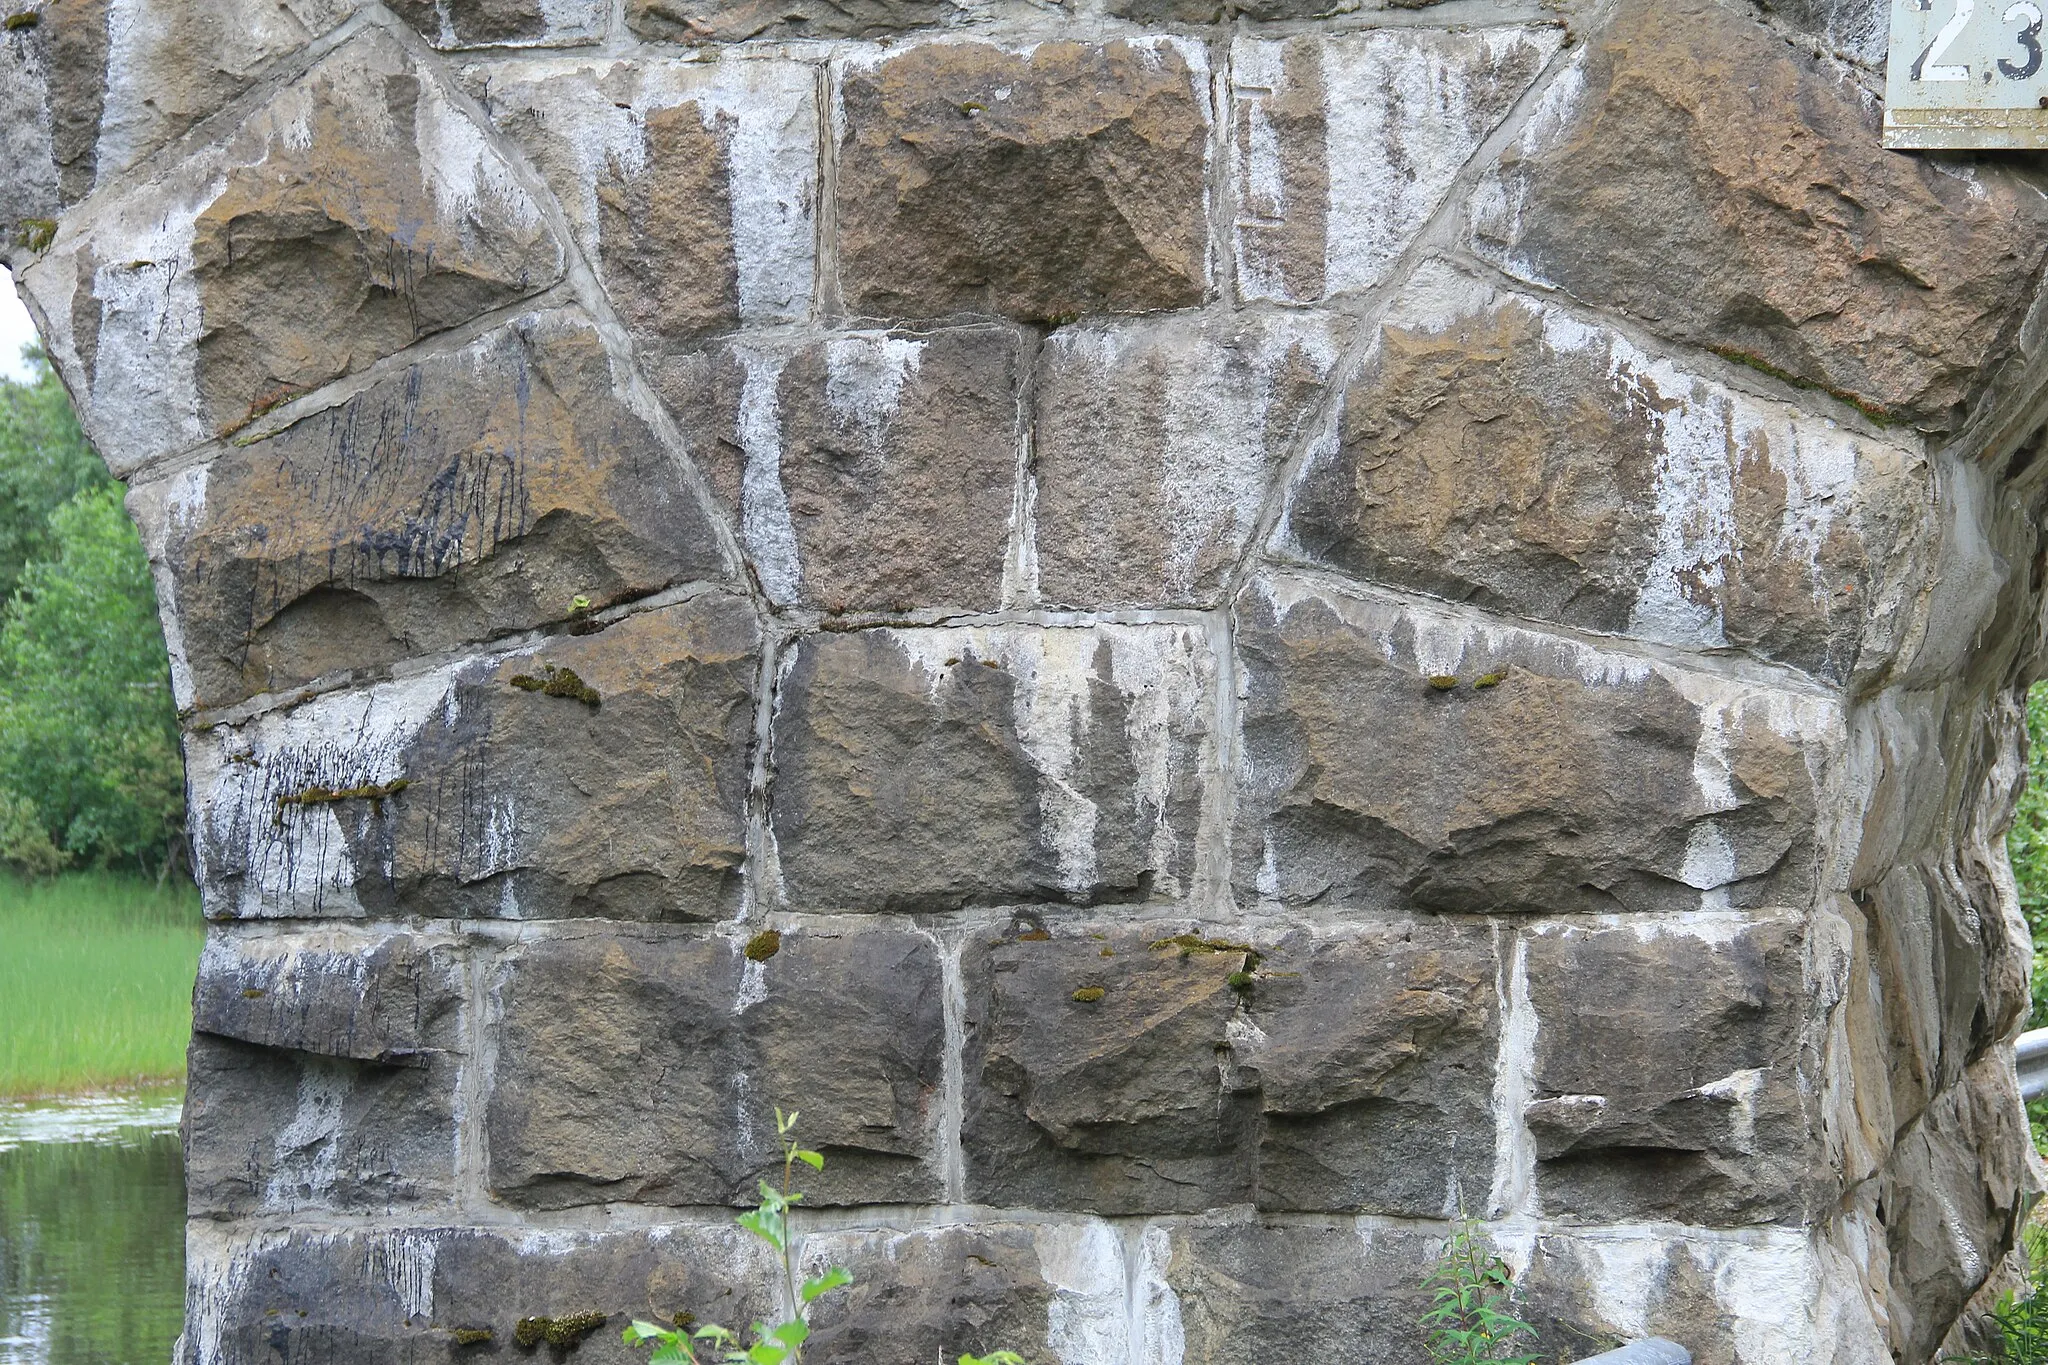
(1471, 1320)
(2021, 1315)
(783, 1343)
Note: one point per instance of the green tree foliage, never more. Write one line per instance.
(88, 730)
(2028, 842)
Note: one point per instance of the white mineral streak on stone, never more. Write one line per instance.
(953, 1079)
(1162, 672)
(765, 527)
(1215, 459)
(753, 987)
(569, 20)
(1513, 1192)
(465, 177)
(864, 378)
(1739, 1089)
(162, 511)
(405, 1262)
(1083, 1265)
(218, 1267)
(302, 866)
(1257, 71)
(766, 114)
(1498, 202)
(304, 1156)
(1400, 125)
(25, 146)
(1156, 1332)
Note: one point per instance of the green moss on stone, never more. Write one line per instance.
(558, 682)
(1088, 995)
(763, 946)
(376, 793)
(36, 233)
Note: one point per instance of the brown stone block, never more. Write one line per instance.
(476, 493)
(1698, 173)
(951, 153)
(1150, 1072)
(1344, 147)
(1669, 1078)
(867, 471)
(1155, 445)
(601, 774)
(929, 769)
(1379, 773)
(642, 1069)
(1500, 450)
(385, 998)
(691, 185)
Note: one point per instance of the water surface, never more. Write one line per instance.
(92, 1230)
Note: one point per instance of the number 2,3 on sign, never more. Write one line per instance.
(1966, 73)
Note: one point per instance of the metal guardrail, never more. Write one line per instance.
(1655, 1351)
(2030, 1057)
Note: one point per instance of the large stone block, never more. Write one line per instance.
(950, 154)
(356, 211)
(691, 186)
(732, 21)
(1672, 1078)
(867, 471)
(1145, 1072)
(1961, 1180)
(520, 23)
(476, 790)
(1695, 171)
(53, 90)
(414, 1296)
(1500, 450)
(649, 1069)
(1155, 445)
(471, 495)
(323, 1071)
(929, 769)
(1344, 147)
(1375, 772)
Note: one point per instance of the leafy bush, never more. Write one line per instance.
(782, 1344)
(1472, 1320)
(88, 730)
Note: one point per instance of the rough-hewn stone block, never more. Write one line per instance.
(355, 212)
(1860, 30)
(927, 769)
(1149, 1072)
(473, 494)
(952, 152)
(662, 1086)
(1345, 147)
(386, 998)
(516, 802)
(1155, 445)
(731, 21)
(1697, 172)
(323, 1071)
(1669, 1076)
(1502, 451)
(691, 186)
(524, 23)
(1377, 774)
(868, 470)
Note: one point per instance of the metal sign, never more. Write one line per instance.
(1966, 73)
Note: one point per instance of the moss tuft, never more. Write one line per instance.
(558, 682)
(36, 233)
(531, 1332)
(564, 1333)
(1749, 360)
(1034, 936)
(1191, 944)
(763, 946)
(1088, 995)
(1443, 682)
(1490, 680)
(472, 1336)
(27, 18)
(376, 793)
(1241, 982)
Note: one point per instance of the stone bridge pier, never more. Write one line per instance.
(1212, 632)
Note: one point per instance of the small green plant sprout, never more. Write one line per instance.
(782, 1344)
(1471, 1320)
(579, 603)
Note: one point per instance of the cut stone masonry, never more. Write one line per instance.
(1215, 634)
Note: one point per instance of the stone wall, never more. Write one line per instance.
(1212, 633)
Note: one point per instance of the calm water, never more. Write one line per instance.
(92, 1231)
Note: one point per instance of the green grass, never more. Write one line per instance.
(95, 982)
